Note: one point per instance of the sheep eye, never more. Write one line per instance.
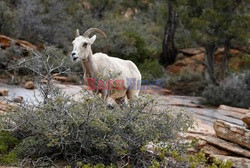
(85, 44)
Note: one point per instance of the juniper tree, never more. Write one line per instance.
(215, 24)
(169, 50)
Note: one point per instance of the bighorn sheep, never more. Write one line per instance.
(100, 63)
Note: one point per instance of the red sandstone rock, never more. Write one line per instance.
(29, 85)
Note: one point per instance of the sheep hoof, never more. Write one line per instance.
(110, 106)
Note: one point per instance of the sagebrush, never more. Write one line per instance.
(233, 91)
(87, 131)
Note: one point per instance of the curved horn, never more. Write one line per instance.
(77, 33)
(92, 30)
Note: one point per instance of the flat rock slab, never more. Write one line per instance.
(192, 51)
(239, 110)
(202, 128)
(187, 105)
(212, 150)
(6, 42)
(4, 92)
(228, 146)
(155, 90)
(238, 162)
(232, 133)
(4, 106)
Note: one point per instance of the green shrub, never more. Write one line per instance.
(187, 82)
(10, 55)
(127, 39)
(233, 91)
(28, 65)
(7, 144)
(173, 158)
(137, 38)
(246, 61)
(151, 70)
(9, 159)
(136, 41)
(187, 75)
(221, 164)
(58, 56)
(8, 24)
(86, 131)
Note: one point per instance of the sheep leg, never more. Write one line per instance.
(117, 98)
(132, 94)
(122, 101)
(111, 99)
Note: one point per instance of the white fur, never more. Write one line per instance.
(104, 64)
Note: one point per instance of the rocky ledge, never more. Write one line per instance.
(230, 142)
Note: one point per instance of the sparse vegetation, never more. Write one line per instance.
(246, 61)
(152, 70)
(233, 91)
(61, 127)
(85, 130)
(134, 38)
(187, 82)
(7, 144)
(10, 55)
(221, 164)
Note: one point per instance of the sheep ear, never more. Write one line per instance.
(92, 39)
(77, 33)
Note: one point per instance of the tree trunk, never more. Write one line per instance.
(225, 68)
(169, 51)
(209, 63)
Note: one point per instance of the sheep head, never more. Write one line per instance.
(82, 44)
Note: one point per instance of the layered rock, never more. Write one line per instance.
(246, 120)
(192, 59)
(192, 51)
(212, 150)
(224, 145)
(235, 109)
(6, 42)
(238, 162)
(232, 133)
(194, 63)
